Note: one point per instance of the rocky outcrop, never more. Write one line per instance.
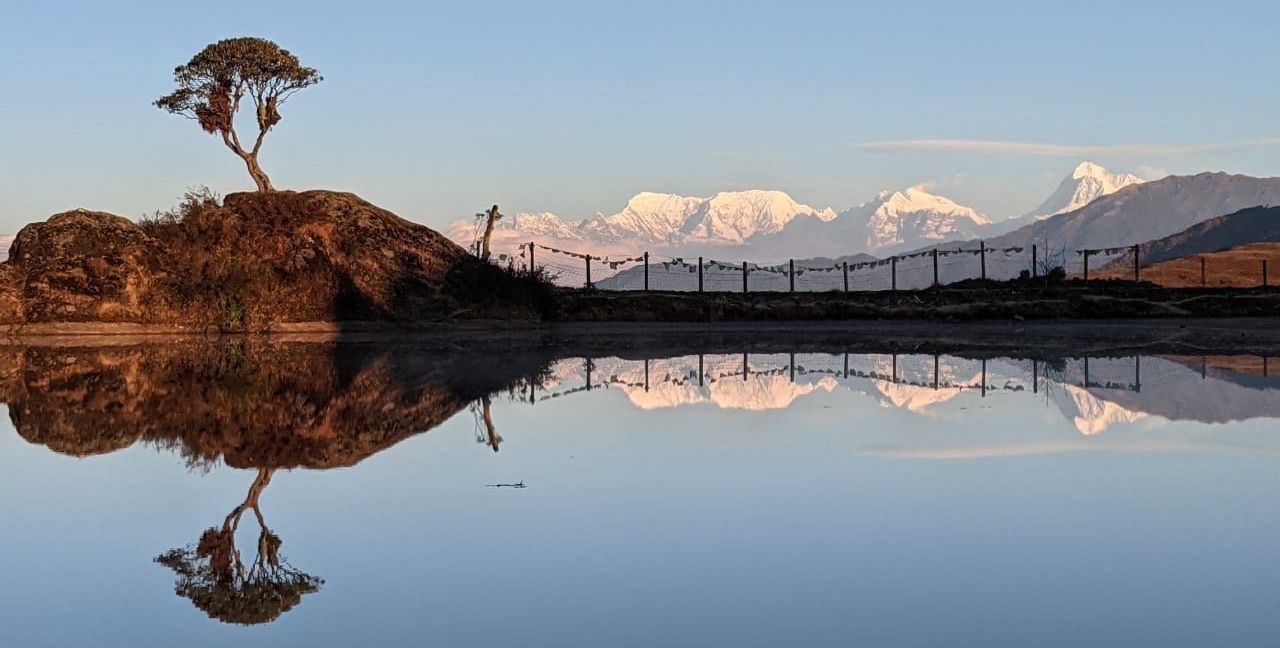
(256, 261)
(81, 266)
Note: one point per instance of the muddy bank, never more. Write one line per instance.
(1013, 301)
(533, 344)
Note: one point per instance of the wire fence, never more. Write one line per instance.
(915, 271)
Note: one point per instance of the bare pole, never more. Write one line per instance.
(893, 269)
(532, 268)
(791, 274)
(846, 276)
(699, 274)
(1203, 282)
(1035, 261)
(744, 277)
(1137, 265)
(646, 277)
(982, 254)
(588, 270)
(935, 267)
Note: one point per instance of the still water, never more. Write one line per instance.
(278, 494)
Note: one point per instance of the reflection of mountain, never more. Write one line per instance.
(1094, 395)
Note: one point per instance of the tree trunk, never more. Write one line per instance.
(259, 176)
(491, 218)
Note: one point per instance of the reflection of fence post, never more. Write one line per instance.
(1035, 376)
(700, 370)
(646, 374)
(646, 273)
(893, 271)
(846, 365)
(984, 377)
(1203, 282)
(935, 372)
(1137, 266)
(588, 269)
(791, 275)
(1137, 374)
(982, 255)
(935, 267)
(1035, 261)
(846, 276)
(746, 369)
(792, 364)
(744, 277)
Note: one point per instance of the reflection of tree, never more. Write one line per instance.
(483, 411)
(213, 576)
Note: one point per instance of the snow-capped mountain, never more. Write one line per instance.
(648, 219)
(1087, 183)
(735, 216)
(892, 221)
(916, 217)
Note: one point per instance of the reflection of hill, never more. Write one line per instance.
(250, 404)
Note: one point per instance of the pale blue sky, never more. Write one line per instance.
(435, 110)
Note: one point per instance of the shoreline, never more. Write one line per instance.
(634, 339)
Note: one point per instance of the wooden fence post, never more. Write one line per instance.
(791, 274)
(846, 276)
(893, 270)
(1203, 282)
(982, 254)
(646, 273)
(1035, 261)
(935, 267)
(699, 274)
(588, 270)
(1137, 265)
(744, 277)
(533, 269)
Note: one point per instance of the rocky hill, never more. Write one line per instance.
(1147, 211)
(252, 262)
(1255, 225)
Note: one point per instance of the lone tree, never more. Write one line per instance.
(212, 83)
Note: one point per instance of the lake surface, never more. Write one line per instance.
(248, 493)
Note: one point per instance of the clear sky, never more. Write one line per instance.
(435, 110)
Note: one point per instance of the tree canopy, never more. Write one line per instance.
(212, 84)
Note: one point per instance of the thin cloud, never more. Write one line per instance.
(996, 147)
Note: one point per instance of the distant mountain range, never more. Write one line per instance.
(1091, 207)
(5, 241)
(771, 224)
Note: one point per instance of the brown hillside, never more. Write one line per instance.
(1238, 267)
